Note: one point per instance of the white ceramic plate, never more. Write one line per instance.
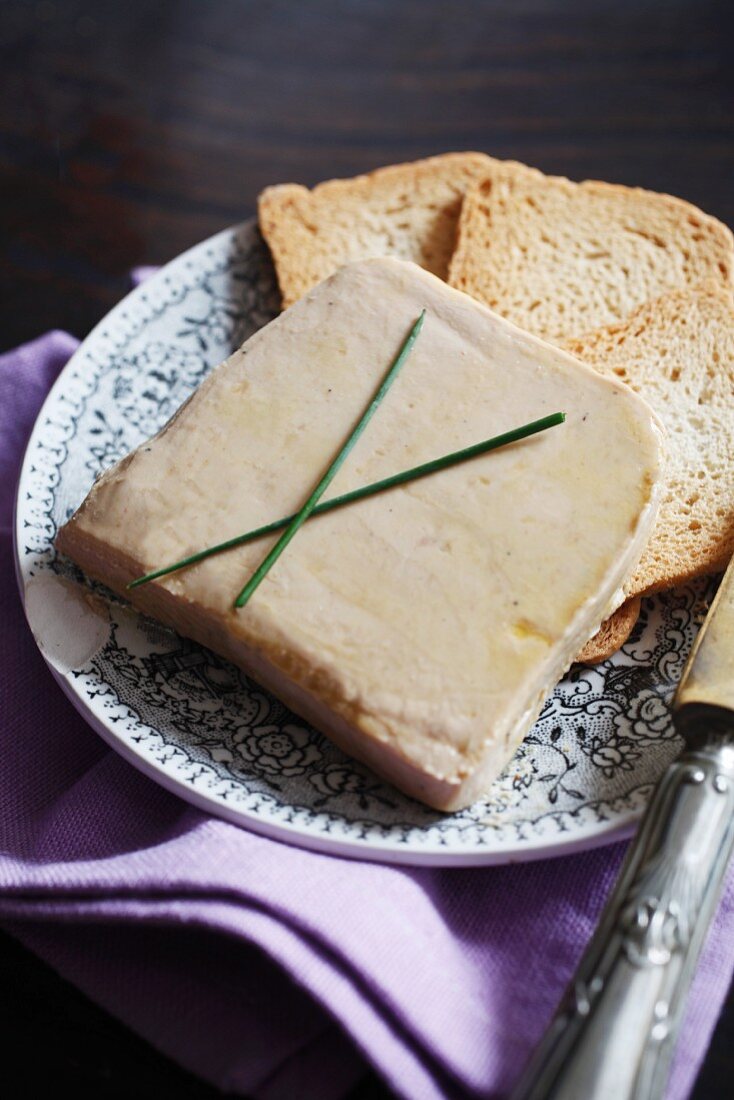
(199, 727)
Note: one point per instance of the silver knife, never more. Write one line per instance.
(614, 1033)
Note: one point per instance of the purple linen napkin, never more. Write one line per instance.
(265, 969)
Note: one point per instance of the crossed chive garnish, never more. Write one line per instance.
(292, 523)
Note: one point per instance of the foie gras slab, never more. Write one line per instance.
(422, 628)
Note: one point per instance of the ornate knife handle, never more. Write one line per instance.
(614, 1033)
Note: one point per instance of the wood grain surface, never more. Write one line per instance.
(132, 130)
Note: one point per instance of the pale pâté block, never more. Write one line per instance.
(422, 628)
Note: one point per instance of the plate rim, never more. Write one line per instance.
(373, 849)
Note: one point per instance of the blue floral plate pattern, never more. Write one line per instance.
(200, 727)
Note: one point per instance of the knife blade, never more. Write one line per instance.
(614, 1033)
(708, 678)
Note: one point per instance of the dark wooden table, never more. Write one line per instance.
(134, 129)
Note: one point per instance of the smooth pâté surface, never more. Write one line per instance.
(421, 628)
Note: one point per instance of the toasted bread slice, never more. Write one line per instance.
(409, 211)
(561, 258)
(678, 353)
(612, 634)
